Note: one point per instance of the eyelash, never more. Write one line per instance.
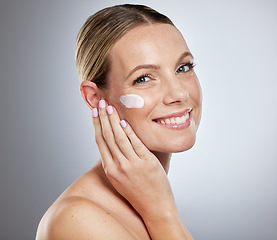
(189, 65)
(137, 81)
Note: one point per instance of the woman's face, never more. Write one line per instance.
(154, 62)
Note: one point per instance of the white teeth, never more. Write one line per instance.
(172, 121)
(177, 120)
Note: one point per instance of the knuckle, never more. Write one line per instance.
(136, 146)
(107, 134)
(130, 133)
(119, 139)
(99, 140)
(123, 167)
(110, 173)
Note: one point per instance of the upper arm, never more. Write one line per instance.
(81, 219)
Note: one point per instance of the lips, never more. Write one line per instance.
(175, 119)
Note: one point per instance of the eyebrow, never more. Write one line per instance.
(143, 66)
(152, 66)
(184, 55)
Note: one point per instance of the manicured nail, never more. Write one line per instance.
(109, 110)
(95, 112)
(102, 103)
(123, 123)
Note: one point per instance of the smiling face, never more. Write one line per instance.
(154, 62)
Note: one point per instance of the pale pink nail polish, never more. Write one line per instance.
(109, 110)
(102, 103)
(123, 123)
(95, 112)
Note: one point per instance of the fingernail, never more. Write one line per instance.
(102, 103)
(95, 112)
(123, 123)
(110, 110)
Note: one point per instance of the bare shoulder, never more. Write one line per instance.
(79, 218)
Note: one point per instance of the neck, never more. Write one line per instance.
(164, 159)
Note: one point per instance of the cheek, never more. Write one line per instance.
(196, 96)
(138, 118)
(133, 106)
(134, 116)
(195, 92)
(131, 115)
(132, 101)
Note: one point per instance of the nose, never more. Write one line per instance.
(175, 92)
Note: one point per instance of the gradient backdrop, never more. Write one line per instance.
(225, 187)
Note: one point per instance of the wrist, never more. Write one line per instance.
(160, 214)
(167, 225)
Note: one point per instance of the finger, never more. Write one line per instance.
(120, 136)
(140, 149)
(100, 141)
(108, 134)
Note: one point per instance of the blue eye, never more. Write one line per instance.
(142, 79)
(185, 68)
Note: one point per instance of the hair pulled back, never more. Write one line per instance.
(100, 32)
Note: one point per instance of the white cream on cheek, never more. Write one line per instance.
(132, 101)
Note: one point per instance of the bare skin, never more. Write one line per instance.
(127, 195)
(91, 209)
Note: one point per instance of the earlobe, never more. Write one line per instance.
(90, 93)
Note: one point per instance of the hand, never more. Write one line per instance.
(132, 169)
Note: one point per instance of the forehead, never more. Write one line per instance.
(148, 44)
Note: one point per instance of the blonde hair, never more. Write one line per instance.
(100, 32)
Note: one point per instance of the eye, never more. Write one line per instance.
(186, 67)
(142, 79)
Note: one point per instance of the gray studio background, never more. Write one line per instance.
(225, 187)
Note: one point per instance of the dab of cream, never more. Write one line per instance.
(132, 101)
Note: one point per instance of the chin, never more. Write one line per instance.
(187, 147)
(184, 147)
(172, 147)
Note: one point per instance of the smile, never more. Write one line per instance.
(180, 120)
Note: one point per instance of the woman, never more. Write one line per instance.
(134, 59)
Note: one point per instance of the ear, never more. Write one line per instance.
(90, 93)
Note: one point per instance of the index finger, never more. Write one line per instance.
(141, 150)
(106, 156)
